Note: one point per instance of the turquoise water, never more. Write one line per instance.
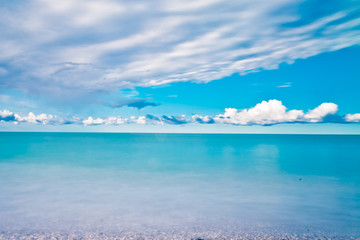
(113, 182)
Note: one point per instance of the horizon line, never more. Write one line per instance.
(218, 133)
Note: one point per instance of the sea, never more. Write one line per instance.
(190, 183)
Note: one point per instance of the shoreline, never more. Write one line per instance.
(174, 235)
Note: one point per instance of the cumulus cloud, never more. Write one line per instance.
(41, 118)
(203, 119)
(317, 114)
(91, 121)
(269, 113)
(106, 121)
(7, 116)
(104, 45)
(45, 119)
(353, 117)
(273, 112)
(265, 113)
(115, 120)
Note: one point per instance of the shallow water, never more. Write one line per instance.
(117, 182)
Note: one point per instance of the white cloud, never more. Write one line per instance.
(106, 121)
(353, 117)
(45, 119)
(91, 121)
(202, 119)
(274, 112)
(6, 116)
(317, 114)
(82, 12)
(264, 113)
(42, 118)
(118, 44)
(140, 120)
(285, 85)
(114, 120)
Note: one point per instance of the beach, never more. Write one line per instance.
(173, 235)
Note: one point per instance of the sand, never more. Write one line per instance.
(57, 235)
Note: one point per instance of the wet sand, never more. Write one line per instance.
(174, 235)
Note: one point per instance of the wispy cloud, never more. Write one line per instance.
(135, 103)
(95, 46)
(265, 113)
(285, 85)
(3, 71)
(176, 120)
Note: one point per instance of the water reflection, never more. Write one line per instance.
(167, 181)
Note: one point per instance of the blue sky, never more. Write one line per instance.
(180, 66)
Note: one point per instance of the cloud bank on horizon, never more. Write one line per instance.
(265, 113)
(79, 47)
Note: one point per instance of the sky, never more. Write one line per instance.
(206, 66)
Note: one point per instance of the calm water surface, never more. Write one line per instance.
(66, 181)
